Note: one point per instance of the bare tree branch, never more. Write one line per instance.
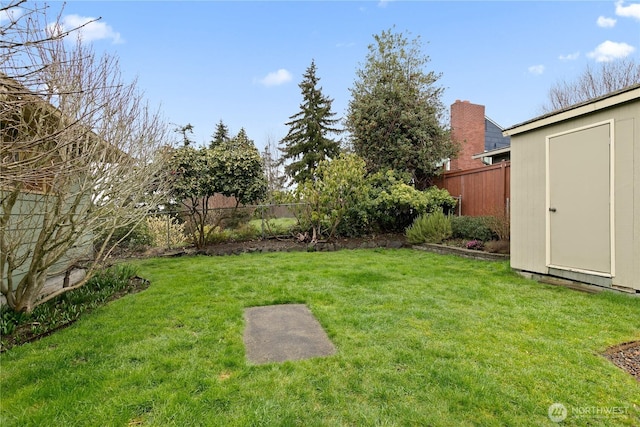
(81, 155)
(593, 82)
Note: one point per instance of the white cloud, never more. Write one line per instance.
(604, 22)
(536, 69)
(384, 3)
(276, 78)
(631, 11)
(570, 57)
(609, 51)
(10, 15)
(88, 29)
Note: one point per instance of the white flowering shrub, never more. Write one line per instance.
(166, 231)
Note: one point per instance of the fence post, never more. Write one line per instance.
(503, 168)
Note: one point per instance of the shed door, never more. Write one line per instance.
(579, 227)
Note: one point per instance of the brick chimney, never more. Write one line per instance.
(467, 129)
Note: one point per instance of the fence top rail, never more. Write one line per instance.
(480, 169)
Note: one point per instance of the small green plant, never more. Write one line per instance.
(215, 235)
(245, 232)
(470, 228)
(19, 327)
(430, 228)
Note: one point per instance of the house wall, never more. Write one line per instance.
(528, 200)
(493, 138)
(24, 227)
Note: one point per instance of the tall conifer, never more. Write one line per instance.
(307, 142)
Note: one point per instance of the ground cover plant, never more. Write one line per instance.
(18, 327)
(422, 339)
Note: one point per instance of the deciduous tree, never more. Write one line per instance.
(272, 168)
(233, 168)
(339, 186)
(80, 154)
(593, 82)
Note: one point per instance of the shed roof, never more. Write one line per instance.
(627, 94)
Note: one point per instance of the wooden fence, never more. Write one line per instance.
(481, 191)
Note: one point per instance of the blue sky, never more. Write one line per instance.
(241, 61)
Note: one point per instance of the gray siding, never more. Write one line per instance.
(24, 227)
(493, 138)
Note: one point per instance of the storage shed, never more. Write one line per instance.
(575, 192)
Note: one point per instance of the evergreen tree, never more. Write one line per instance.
(184, 130)
(395, 113)
(307, 143)
(220, 136)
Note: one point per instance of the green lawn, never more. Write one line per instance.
(274, 226)
(422, 339)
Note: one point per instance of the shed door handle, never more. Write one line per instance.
(552, 209)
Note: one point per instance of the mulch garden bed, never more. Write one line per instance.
(283, 245)
(626, 356)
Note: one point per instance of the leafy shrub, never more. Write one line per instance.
(238, 217)
(470, 228)
(245, 232)
(440, 199)
(138, 237)
(395, 204)
(430, 228)
(163, 234)
(339, 190)
(500, 225)
(215, 235)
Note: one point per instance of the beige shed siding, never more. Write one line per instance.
(624, 202)
(528, 208)
(528, 203)
(636, 199)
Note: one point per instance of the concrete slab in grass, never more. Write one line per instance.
(277, 333)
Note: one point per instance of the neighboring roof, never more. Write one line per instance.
(23, 99)
(493, 137)
(630, 93)
(492, 153)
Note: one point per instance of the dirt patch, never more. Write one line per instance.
(626, 356)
